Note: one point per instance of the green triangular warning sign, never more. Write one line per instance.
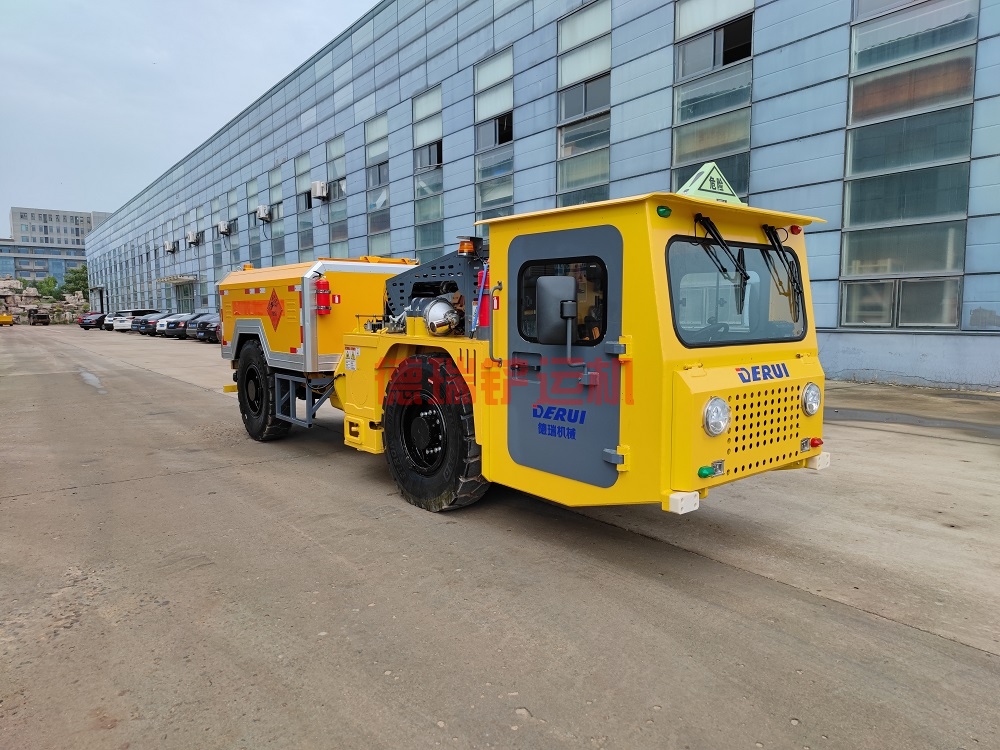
(709, 184)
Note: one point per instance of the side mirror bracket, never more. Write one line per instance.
(556, 313)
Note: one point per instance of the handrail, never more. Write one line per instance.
(497, 288)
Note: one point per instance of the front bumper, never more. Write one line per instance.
(768, 428)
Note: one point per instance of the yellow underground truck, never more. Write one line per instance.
(639, 350)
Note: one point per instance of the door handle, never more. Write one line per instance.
(519, 365)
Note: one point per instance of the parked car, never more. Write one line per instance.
(138, 320)
(189, 327)
(162, 323)
(36, 318)
(123, 323)
(92, 320)
(147, 324)
(123, 319)
(206, 328)
(109, 321)
(6, 319)
(177, 325)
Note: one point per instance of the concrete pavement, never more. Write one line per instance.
(167, 582)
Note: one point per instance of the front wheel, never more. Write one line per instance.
(255, 386)
(430, 436)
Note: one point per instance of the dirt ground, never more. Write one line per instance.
(166, 582)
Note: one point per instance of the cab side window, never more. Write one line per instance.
(591, 295)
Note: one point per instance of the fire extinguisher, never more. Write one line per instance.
(322, 296)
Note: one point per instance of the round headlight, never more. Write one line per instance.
(811, 397)
(716, 416)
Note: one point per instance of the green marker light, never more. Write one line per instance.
(662, 211)
(706, 471)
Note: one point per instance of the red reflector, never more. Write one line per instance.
(816, 442)
(795, 229)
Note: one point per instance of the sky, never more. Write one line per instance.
(98, 98)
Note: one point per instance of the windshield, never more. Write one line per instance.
(704, 294)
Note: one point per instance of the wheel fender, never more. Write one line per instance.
(242, 339)
(395, 355)
(399, 352)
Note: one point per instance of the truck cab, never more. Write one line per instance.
(687, 359)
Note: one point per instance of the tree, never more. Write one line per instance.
(47, 287)
(76, 281)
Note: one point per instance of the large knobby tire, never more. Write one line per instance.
(430, 435)
(255, 386)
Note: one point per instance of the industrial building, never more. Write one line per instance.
(45, 242)
(882, 117)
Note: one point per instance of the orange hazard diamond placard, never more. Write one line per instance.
(275, 309)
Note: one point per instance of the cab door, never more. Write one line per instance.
(564, 414)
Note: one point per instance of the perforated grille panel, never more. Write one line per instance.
(764, 430)
(460, 269)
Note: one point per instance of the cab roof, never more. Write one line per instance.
(293, 272)
(718, 210)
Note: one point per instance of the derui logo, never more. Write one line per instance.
(560, 414)
(763, 372)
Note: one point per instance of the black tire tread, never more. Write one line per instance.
(470, 483)
(274, 428)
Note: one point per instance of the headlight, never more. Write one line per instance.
(716, 416)
(811, 397)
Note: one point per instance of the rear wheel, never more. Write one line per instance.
(430, 436)
(255, 385)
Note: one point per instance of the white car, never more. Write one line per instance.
(121, 320)
(123, 323)
(109, 321)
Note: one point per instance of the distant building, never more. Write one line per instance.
(46, 242)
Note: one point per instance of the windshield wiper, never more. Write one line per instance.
(794, 293)
(737, 260)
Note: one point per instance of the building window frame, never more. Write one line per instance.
(428, 175)
(377, 197)
(866, 269)
(583, 136)
(494, 130)
(336, 175)
(716, 48)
